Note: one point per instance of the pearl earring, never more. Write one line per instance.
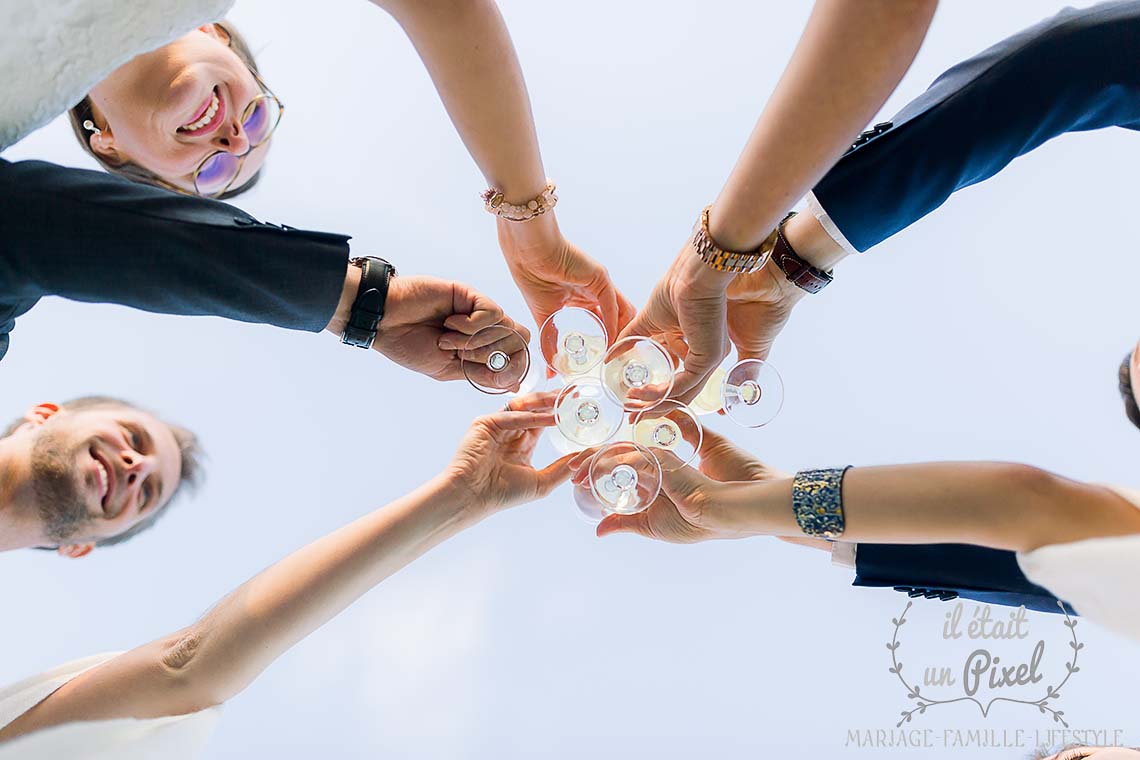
(90, 127)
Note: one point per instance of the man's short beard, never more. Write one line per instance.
(58, 500)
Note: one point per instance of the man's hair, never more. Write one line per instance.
(83, 111)
(190, 477)
(1124, 376)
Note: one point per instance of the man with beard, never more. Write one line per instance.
(93, 471)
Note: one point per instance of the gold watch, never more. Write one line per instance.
(738, 262)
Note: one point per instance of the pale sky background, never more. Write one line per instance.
(991, 330)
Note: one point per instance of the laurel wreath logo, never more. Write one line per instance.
(922, 702)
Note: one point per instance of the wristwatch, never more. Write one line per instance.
(736, 262)
(800, 273)
(368, 308)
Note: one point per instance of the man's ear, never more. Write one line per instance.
(75, 551)
(38, 415)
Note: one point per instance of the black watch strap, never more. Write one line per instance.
(368, 308)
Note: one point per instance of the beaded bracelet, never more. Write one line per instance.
(494, 202)
(817, 501)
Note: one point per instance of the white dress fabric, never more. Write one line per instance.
(1093, 575)
(176, 738)
(52, 52)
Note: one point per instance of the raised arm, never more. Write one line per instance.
(993, 504)
(849, 59)
(1071, 72)
(469, 54)
(114, 241)
(215, 658)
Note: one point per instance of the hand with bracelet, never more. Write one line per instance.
(1001, 505)
(849, 59)
(551, 272)
(468, 51)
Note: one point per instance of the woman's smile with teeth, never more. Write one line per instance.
(207, 116)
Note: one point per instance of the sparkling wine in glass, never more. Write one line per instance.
(573, 341)
(585, 415)
(669, 426)
(637, 373)
(749, 392)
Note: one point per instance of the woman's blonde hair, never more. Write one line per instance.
(83, 111)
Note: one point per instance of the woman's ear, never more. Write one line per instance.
(75, 551)
(217, 31)
(103, 145)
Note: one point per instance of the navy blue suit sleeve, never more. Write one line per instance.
(89, 236)
(949, 571)
(1076, 71)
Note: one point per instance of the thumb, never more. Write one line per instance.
(639, 325)
(679, 481)
(554, 474)
(607, 303)
(626, 311)
(637, 523)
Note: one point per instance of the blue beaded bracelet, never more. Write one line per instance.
(817, 501)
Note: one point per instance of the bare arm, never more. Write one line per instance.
(1004, 506)
(849, 60)
(999, 505)
(469, 54)
(218, 656)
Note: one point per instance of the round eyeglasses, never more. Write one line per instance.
(219, 170)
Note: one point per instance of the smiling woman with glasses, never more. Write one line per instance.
(165, 95)
(193, 116)
(216, 174)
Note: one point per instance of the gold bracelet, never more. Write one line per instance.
(728, 261)
(495, 204)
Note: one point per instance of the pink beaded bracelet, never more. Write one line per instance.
(494, 203)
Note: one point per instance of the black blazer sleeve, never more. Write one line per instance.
(950, 571)
(91, 236)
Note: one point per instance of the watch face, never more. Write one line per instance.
(359, 261)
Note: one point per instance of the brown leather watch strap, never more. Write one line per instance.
(800, 273)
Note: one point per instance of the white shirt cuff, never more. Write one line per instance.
(843, 554)
(828, 224)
